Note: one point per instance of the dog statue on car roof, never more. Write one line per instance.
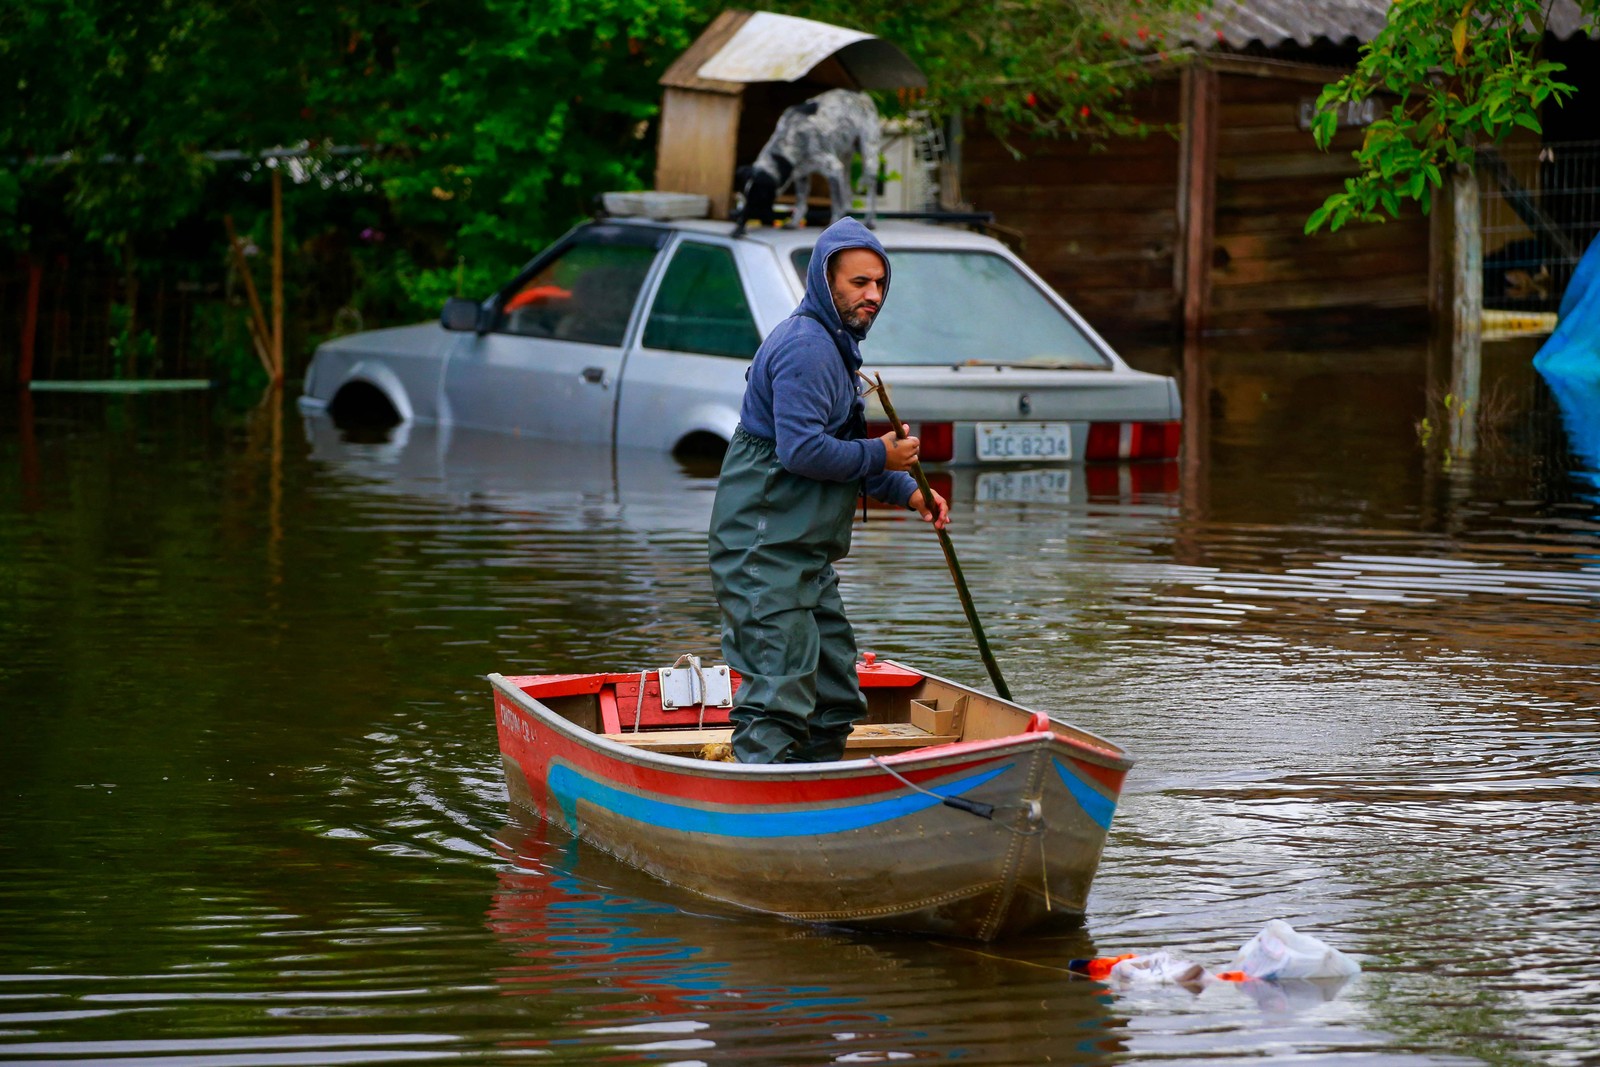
(817, 137)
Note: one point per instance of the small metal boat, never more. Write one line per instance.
(953, 812)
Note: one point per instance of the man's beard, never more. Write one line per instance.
(856, 318)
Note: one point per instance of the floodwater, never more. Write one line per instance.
(251, 806)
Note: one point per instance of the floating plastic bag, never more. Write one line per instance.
(1279, 967)
(1158, 968)
(1278, 951)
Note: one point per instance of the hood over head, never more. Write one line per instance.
(844, 234)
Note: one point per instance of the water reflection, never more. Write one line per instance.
(559, 487)
(254, 808)
(662, 979)
(646, 971)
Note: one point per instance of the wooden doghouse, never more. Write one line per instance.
(723, 96)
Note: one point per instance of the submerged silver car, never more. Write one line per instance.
(637, 333)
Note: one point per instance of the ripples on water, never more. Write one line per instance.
(255, 813)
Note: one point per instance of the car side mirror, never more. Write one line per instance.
(460, 314)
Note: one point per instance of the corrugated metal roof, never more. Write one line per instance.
(1280, 22)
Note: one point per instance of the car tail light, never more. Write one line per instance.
(1133, 440)
(938, 438)
(938, 441)
(1105, 442)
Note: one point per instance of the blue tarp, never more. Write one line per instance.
(1570, 363)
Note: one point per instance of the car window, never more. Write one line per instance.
(585, 294)
(955, 306)
(701, 307)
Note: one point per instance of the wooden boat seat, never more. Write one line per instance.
(873, 735)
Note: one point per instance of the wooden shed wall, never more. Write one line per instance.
(1266, 272)
(1102, 224)
(695, 153)
(1099, 223)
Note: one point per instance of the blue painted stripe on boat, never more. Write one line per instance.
(1094, 805)
(571, 785)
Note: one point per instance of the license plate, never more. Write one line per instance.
(1052, 485)
(1020, 442)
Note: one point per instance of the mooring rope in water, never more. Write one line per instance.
(1044, 868)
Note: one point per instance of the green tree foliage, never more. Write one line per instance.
(486, 127)
(115, 101)
(1464, 73)
(496, 122)
(488, 124)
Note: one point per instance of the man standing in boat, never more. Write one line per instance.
(784, 507)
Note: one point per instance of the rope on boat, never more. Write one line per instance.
(700, 676)
(638, 709)
(972, 807)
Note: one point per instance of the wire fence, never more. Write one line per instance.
(1541, 208)
(74, 320)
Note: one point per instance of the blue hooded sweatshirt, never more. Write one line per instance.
(802, 383)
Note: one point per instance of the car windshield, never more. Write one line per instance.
(951, 307)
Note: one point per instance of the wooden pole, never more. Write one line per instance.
(277, 274)
(1466, 313)
(1197, 186)
(1195, 465)
(949, 549)
(258, 321)
(1440, 365)
(30, 324)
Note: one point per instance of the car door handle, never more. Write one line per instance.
(594, 375)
